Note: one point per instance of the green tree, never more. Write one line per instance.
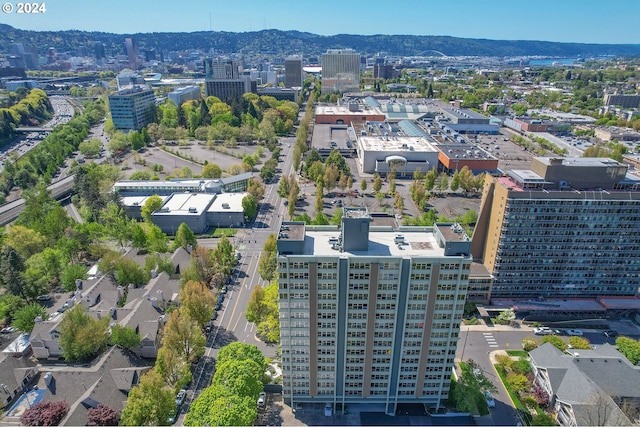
(128, 271)
(173, 368)
(82, 336)
(9, 306)
(197, 301)
(363, 185)
(11, 269)
(630, 348)
(124, 336)
(249, 206)
(217, 406)
(267, 264)
(183, 335)
(149, 403)
(211, 170)
(377, 183)
(24, 240)
(151, 205)
(25, 317)
(579, 343)
(555, 341)
(241, 377)
(184, 237)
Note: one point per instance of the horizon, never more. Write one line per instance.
(567, 21)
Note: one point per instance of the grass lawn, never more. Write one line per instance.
(518, 353)
(229, 232)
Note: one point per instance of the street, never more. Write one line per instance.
(231, 324)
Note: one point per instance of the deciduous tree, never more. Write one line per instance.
(183, 335)
(149, 403)
(82, 336)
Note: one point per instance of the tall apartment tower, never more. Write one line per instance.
(567, 228)
(340, 71)
(293, 74)
(370, 314)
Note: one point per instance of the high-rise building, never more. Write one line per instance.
(567, 228)
(293, 75)
(132, 109)
(370, 314)
(228, 90)
(131, 47)
(222, 68)
(340, 71)
(98, 50)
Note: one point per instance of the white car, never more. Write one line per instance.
(262, 400)
(542, 331)
(489, 398)
(574, 332)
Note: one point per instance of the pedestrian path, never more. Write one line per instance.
(491, 341)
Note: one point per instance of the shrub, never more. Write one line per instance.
(505, 361)
(519, 382)
(555, 341)
(541, 396)
(103, 416)
(522, 366)
(529, 343)
(579, 343)
(45, 414)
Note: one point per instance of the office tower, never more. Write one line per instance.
(567, 228)
(132, 109)
(98, 50)
(131, 47)
(293, 75)
(370, 314)
(222, 68)
(340, 71)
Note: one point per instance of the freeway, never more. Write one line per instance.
(59, 190)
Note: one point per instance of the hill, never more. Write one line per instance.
(280, 43)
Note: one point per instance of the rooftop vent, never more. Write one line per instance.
(193, 210)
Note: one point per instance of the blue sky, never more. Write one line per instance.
(580, 21)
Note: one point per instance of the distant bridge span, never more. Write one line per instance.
(429, 52)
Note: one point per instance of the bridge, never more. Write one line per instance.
(59, 190)
(33, 129)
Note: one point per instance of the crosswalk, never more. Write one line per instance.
(488, 336)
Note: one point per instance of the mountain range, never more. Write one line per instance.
(282, 43)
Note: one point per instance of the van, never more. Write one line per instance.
(399, 239)
(333, 240)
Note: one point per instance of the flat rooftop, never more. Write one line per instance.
(186, 203)
(138, 200)
(381, 243)
(344, 110)
(227, 202)
(396, 143)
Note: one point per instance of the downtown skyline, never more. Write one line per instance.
(566, 21)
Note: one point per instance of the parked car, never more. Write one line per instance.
(218, 306)
(8, 330)
(262, 400)
(327, 410)
(560, 332)
(182, 394)
(574, 332)
(43, 298)
(489, 398)
(543, 330)
(610, 333)
(214, 316)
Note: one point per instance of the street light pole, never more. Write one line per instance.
(464, 345)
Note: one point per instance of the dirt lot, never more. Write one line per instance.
(173, 163)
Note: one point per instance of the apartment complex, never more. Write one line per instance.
(132, 109)
(370, 313)
(567, 228)
(340, 71)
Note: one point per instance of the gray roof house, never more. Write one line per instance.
(587, 387)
